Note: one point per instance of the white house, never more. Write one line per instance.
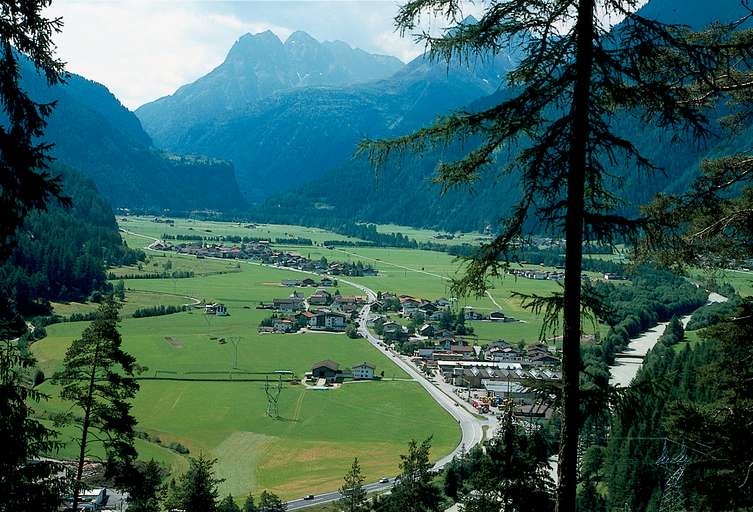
(497, 316)
(363, 371)
(328, 321)
(215, 309)
(289, 305)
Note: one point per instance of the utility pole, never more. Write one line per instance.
(672, 498)
(273, 391)
(234, 340)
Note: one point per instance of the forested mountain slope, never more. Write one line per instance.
(403, 192)
(95, 134)
(61, 253)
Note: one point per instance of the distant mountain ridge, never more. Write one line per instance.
(298, 134)
(293, 150)
(403, 192)
(256, 67)
(96, 135)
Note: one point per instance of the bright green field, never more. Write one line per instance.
(320, 432)
(427, 235)
(134, 300)
(147, 226)
(741, 281)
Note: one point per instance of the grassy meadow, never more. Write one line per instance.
(319, 433)
(145, 225)
(311, 446)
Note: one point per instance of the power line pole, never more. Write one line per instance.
(235, 340)
(672, 499)
(273, 391)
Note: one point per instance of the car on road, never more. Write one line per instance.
(308, 497)
(384, 480)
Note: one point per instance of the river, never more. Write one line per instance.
(626, 368)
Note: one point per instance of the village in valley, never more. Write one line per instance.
(302, 322)
(434, 336)
(263, 251)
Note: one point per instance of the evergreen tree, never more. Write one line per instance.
(228, 505)
(513, 474)
(97, 378)
(26, 482)
(249, 505)
(719, 429)
(589, 499)
(674, 332)
(353, 494)
(118, 289)
(415, 491)
(270, 502)
(143, 482)
(574, 75)
(25, 33)
(196, 490)
(25, 185)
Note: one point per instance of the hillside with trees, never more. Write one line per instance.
(404, 190)
(61, 253)
(93, 133)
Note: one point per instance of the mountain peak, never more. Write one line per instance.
(299, 37)
(252, 44)
(267, 36)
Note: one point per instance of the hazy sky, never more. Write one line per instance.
(142, 50)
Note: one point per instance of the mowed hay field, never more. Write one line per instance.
(310, 448)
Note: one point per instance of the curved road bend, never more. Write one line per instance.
(471, 427)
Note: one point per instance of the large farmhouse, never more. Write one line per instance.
(327, 369)
(363, 371)
(327, 321)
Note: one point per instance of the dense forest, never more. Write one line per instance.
(654, 296)
(95, 134)
(62, 253)
(684, 445)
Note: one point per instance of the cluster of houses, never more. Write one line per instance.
(263, 252)
(558, 275)
(329, 372)
(499, 370)
(322, 311)
(407, 305)
(457, 349)
(324, 282)
(538, 275)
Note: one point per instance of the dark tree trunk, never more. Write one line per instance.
(568, 456)
(85, 432)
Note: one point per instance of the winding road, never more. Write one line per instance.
(471, 426)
